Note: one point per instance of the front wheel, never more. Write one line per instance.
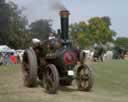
(51, 79)
(84, 78)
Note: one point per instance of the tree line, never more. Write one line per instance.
(17, 33)
(96, 30)
(14, 29)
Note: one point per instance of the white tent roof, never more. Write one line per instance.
(4, 48)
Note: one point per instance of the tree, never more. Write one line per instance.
(12, 26)
(100, 31)
(80, 34)
(4, 21)
(122, 42)
(97, 30)
(40, 29)
(107, 20)
(19, 37)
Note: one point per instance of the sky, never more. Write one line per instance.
(80, 10)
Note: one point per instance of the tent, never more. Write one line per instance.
(5, 48)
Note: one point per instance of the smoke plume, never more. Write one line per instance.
(57, 5)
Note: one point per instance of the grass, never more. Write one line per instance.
(112, 77)
(111, 84)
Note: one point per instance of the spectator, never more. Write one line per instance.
(13, 58)
(7, 58)
(1, 59)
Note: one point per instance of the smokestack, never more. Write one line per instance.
(64, 16)
(58, 33)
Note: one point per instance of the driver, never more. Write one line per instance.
(53, 41)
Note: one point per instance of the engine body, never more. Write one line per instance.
(55, 61)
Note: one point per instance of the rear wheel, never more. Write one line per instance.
(51, 79)
(29, 67)
(84, 78)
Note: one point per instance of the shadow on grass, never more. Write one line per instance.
(67, 89)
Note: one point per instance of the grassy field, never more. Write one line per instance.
(111, 85)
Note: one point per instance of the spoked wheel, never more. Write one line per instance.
(29, 67)
(51, 79)
(84, 78)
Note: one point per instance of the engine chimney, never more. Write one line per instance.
(64, 16)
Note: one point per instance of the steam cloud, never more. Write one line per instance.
(57, 5)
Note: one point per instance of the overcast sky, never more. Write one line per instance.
(81, 10)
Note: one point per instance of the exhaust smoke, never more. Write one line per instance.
(57, 5)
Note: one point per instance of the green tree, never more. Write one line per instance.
(79, 33)
(100, 31)
(122, 42)
(97, 30)
(4, 21)
(41, 29)
(12, 26)
(19, 38)
(107, 20)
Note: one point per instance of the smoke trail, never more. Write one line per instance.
(57, 5)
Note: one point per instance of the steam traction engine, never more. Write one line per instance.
(55, 62)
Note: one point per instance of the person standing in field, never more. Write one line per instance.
(1, 59)
(13, 58)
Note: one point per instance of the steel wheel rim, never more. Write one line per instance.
(26, 67)
(49, 79)
(83, 75)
